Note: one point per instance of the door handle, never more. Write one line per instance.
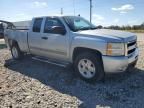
(45, 38)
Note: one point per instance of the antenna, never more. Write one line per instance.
(61, 11)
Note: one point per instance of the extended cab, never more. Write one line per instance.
(73, 40)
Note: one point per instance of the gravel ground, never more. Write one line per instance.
(32, 84)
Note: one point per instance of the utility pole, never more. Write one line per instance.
(90, 10)
(61, 11)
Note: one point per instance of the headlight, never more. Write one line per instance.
(115, 49)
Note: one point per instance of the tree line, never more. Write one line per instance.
(126, 27)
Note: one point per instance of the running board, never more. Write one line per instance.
(61, 64)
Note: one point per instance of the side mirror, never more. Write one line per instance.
(59, 30)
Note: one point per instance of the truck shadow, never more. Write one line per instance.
(89, 95)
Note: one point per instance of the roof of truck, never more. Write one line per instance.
(55, 16)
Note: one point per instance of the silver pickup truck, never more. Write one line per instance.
(64, 40)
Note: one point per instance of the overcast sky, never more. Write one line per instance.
(105, 12)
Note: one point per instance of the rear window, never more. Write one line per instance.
(37, 25)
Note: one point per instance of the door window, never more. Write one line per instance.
(50, 23)
(37, 25)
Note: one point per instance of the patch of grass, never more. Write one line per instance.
(2, 46)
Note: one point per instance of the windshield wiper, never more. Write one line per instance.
(86, 28)
(93, 28)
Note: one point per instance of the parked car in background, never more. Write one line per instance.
(64, 40)
(1, 31)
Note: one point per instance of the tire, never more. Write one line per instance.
(93, 67)
(15, 52)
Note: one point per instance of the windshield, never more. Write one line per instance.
(77, 23)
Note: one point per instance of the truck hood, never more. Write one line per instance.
(110, 35)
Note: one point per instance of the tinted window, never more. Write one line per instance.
(37, 25)
(50, 23)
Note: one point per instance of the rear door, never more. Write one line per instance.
(35, 40)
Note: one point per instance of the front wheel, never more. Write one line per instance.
(15, 51)
(89, 67)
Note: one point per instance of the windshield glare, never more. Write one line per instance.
(77, 23)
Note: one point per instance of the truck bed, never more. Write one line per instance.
(20, 35)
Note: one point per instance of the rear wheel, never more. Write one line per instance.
(16, 53)
(89, 67)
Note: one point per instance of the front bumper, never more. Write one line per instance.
(119, 64)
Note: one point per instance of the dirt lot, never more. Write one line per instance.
(32, 84)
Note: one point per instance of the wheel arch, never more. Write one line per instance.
(12, 42)
(79, 50)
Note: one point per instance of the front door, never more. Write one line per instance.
(54, 44)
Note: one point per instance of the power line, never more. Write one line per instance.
(74, 6)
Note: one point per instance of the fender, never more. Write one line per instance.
(88, 42)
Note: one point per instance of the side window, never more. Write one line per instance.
(50, 23)
(37, 24)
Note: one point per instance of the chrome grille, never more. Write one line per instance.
(131, 47)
